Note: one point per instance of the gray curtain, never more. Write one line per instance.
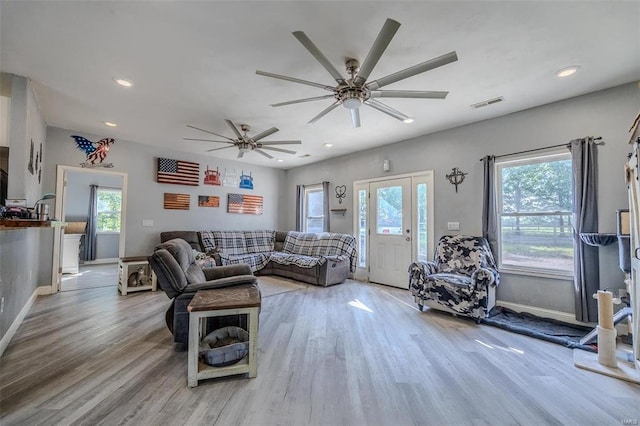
(586, 269)
(489, 207)
(92, 225)
(299, 207)
(326, 226)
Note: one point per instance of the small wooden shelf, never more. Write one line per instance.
(339, 211)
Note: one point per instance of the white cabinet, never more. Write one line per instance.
(71, 253)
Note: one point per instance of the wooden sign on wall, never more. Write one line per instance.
(242, 203)
(176, 201)
(208, 201)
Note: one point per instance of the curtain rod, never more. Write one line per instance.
(546, 147)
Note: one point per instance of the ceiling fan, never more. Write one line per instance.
(245, 143)
(355, 91)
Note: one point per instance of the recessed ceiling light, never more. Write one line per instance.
(123, 82)
(110, 124)
(279, 160)
(566, 72)
(328, 145)
(408, 120)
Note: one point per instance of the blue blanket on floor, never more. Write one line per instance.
(548, 329)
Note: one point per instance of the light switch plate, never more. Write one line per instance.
(147, 222)
(453, 226)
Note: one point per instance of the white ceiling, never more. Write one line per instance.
(195, 62)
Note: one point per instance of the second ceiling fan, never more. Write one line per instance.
(246, 143)
(355, 91)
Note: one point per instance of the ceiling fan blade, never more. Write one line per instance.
(409, 94)
(205, 140)
(240, 154)
(278, 149)
(280, 143)
(355, 117)
(386, 109)
(207, 131)
(294, 80)
(313, 49)
(218, 149)
(234, 128)
(264, 134)
(414, 70)
(324, 112)
(259, 151)
(316, 98)
(379, 46)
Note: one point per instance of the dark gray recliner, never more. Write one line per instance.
(180, 277)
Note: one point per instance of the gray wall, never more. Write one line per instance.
(607, 113)
(21, 247)
(145, 195)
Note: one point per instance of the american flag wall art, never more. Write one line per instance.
(176, 201)
(208, 201)
(178, 172)
(247, 204)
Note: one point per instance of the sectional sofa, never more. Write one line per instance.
(321, 259)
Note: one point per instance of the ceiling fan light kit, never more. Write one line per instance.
(246, 143)
(354, 92)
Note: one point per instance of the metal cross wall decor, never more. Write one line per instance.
(341, 192)
(456, 177)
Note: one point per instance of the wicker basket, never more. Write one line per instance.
(75, 227)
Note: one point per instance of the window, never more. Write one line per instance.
(313, 209)
(535, 196)
(362, 227)
(109, 208)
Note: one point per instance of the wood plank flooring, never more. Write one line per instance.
(351, 354)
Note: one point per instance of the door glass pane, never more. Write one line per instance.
(362, 216)
(389, 214)
(421, 214)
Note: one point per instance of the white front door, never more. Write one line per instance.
(390, 230)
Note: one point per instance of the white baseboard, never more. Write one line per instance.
(4, 342)
(101, 261)
(545, 313)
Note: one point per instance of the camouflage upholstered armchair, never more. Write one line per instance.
(462, 279)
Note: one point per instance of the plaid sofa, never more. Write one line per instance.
(320, 259)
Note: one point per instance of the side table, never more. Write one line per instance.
(244, 300)
(135, 274)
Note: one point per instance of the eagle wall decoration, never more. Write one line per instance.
(96, 152)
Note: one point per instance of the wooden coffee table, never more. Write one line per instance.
(220, 302)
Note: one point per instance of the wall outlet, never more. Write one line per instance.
(453, 226)
(147, 222)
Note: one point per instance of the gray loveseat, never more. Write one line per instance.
(320, 259)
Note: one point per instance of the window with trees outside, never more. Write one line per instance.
(109, 210)
(313, 209)
(535, 196)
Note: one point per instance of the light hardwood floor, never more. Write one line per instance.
(351, 354)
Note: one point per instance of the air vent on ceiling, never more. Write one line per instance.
(487, 103)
